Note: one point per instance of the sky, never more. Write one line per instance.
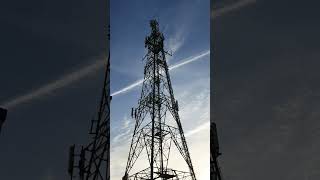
(186, 28)
(265, 71)
(266, 89)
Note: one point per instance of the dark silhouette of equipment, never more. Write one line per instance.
(215, 171)
(3, 116)
(93, 159)
(153, 131)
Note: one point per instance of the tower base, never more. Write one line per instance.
(168, 174)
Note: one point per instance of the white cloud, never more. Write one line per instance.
(124, 131)
(174, 43)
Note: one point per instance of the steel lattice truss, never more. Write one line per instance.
(98, 150)
(152, 133)
(93, 159)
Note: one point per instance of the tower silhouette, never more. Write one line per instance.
(153, 132)
(215, 171)
(93, 159)
(3, 115)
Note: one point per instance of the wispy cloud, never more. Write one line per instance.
(54, 85)
(175, 42)
(184, 62)
(232, 7)
(125, 131)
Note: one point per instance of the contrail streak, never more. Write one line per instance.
(128, 88)
(57, 84)
(185, 61)
(197, 129)
(189, 60)
(235, 6)
(76, 76)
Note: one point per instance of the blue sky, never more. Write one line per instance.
(185, 25)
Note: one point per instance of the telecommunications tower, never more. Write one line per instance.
(153, 133)
(92, 160)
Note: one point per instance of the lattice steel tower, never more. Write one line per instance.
(93, 159)
(153, 133)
